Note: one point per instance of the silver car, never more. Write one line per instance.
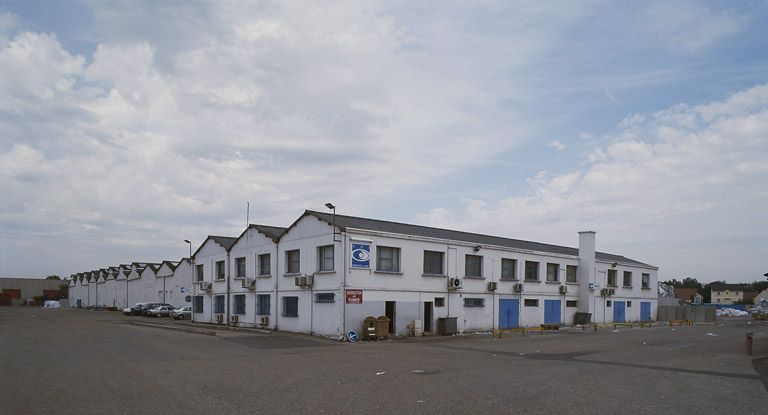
(182, 313)
(162, 311)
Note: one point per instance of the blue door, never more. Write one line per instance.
(552, 311)
(509, 314)
(79, 303)
(619, 311)
(645, 311)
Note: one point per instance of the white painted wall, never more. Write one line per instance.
(249, 246)
(208, 254)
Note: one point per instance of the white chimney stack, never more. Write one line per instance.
(586, 270)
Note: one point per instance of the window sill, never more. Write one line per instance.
(572, 283)
(330, 271)
(508, 279)
(388, 272)
(219, 280)
(536, 281)
(239, 278)
(290, 316)
(646, 288)
(264, 276)
(473, 277)
(627, 286)
(292, 274)
(553, 282)
(434, 275)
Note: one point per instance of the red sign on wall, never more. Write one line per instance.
(354, 296)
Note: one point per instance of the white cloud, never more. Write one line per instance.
(677, 189)
(557, 145)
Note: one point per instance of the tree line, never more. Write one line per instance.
(705, 290)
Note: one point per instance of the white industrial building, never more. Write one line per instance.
(328, 272)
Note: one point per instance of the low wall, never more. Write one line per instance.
(697, 314)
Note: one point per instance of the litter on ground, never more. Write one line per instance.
(731, 312)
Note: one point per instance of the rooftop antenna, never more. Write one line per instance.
(247, 214)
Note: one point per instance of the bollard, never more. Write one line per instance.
(749, 343)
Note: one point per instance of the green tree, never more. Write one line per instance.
(53, 277)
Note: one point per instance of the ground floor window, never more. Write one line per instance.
(571, 303)
(197, 303)
(290, 306)
(531, 303)
(240, 304)
(474, 302)
(218, 304)
(439, 301)
(263, 305)
(324, 298)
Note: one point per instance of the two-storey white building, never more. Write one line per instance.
(212, 283)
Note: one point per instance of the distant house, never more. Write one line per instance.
(686, 294)
(727, 293)
(762, 296)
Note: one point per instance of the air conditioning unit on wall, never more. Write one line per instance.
(519, 287)
(233, 319)
(607, 292)
(454, 283)
(219, 318)
(264, 320)
(563, 289)
(492, 286)
(204, 285)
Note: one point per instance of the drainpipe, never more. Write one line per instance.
(277, 278)
(344, 285)
(228, 294)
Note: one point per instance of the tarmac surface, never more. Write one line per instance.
(68, 361)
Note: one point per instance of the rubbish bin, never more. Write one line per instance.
(382, 327)
(582, 318)
(446, 326)
(369, 328)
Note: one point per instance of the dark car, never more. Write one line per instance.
(147, 311)
(135, 310)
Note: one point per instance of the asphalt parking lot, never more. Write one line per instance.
(77, 361)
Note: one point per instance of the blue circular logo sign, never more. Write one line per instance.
(352, 336)
(361, 255)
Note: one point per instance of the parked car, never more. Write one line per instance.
(136, 310)
(147, 312)
(182, 313)
(162, 311)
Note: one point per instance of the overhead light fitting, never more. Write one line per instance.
(330, 205)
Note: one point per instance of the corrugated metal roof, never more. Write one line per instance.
(353, 222)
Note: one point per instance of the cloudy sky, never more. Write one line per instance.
(127, 127)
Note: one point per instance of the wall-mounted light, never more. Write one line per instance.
(477, 248)
(614, 265)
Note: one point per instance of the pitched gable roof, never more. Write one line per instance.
(351, 222)
(225, 242)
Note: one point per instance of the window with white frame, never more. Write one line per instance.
(220, 270)
(292, 262)
(240, 267)
(508, 268)
(387, 259)
(290, 306)
(239, 304)
(433, 262)
(218, 304)
(325, 298)
(199, 273)
(531, 271)
(530, 302)
(474, 302)
(197, 303)
(571, 273)
(646, 280)
(571, 303)
(611, 278)
(325, 258)
(553, 272)
(265, 265)
(439, 301)
(263, 304)
(627, 279)
(473, 266)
